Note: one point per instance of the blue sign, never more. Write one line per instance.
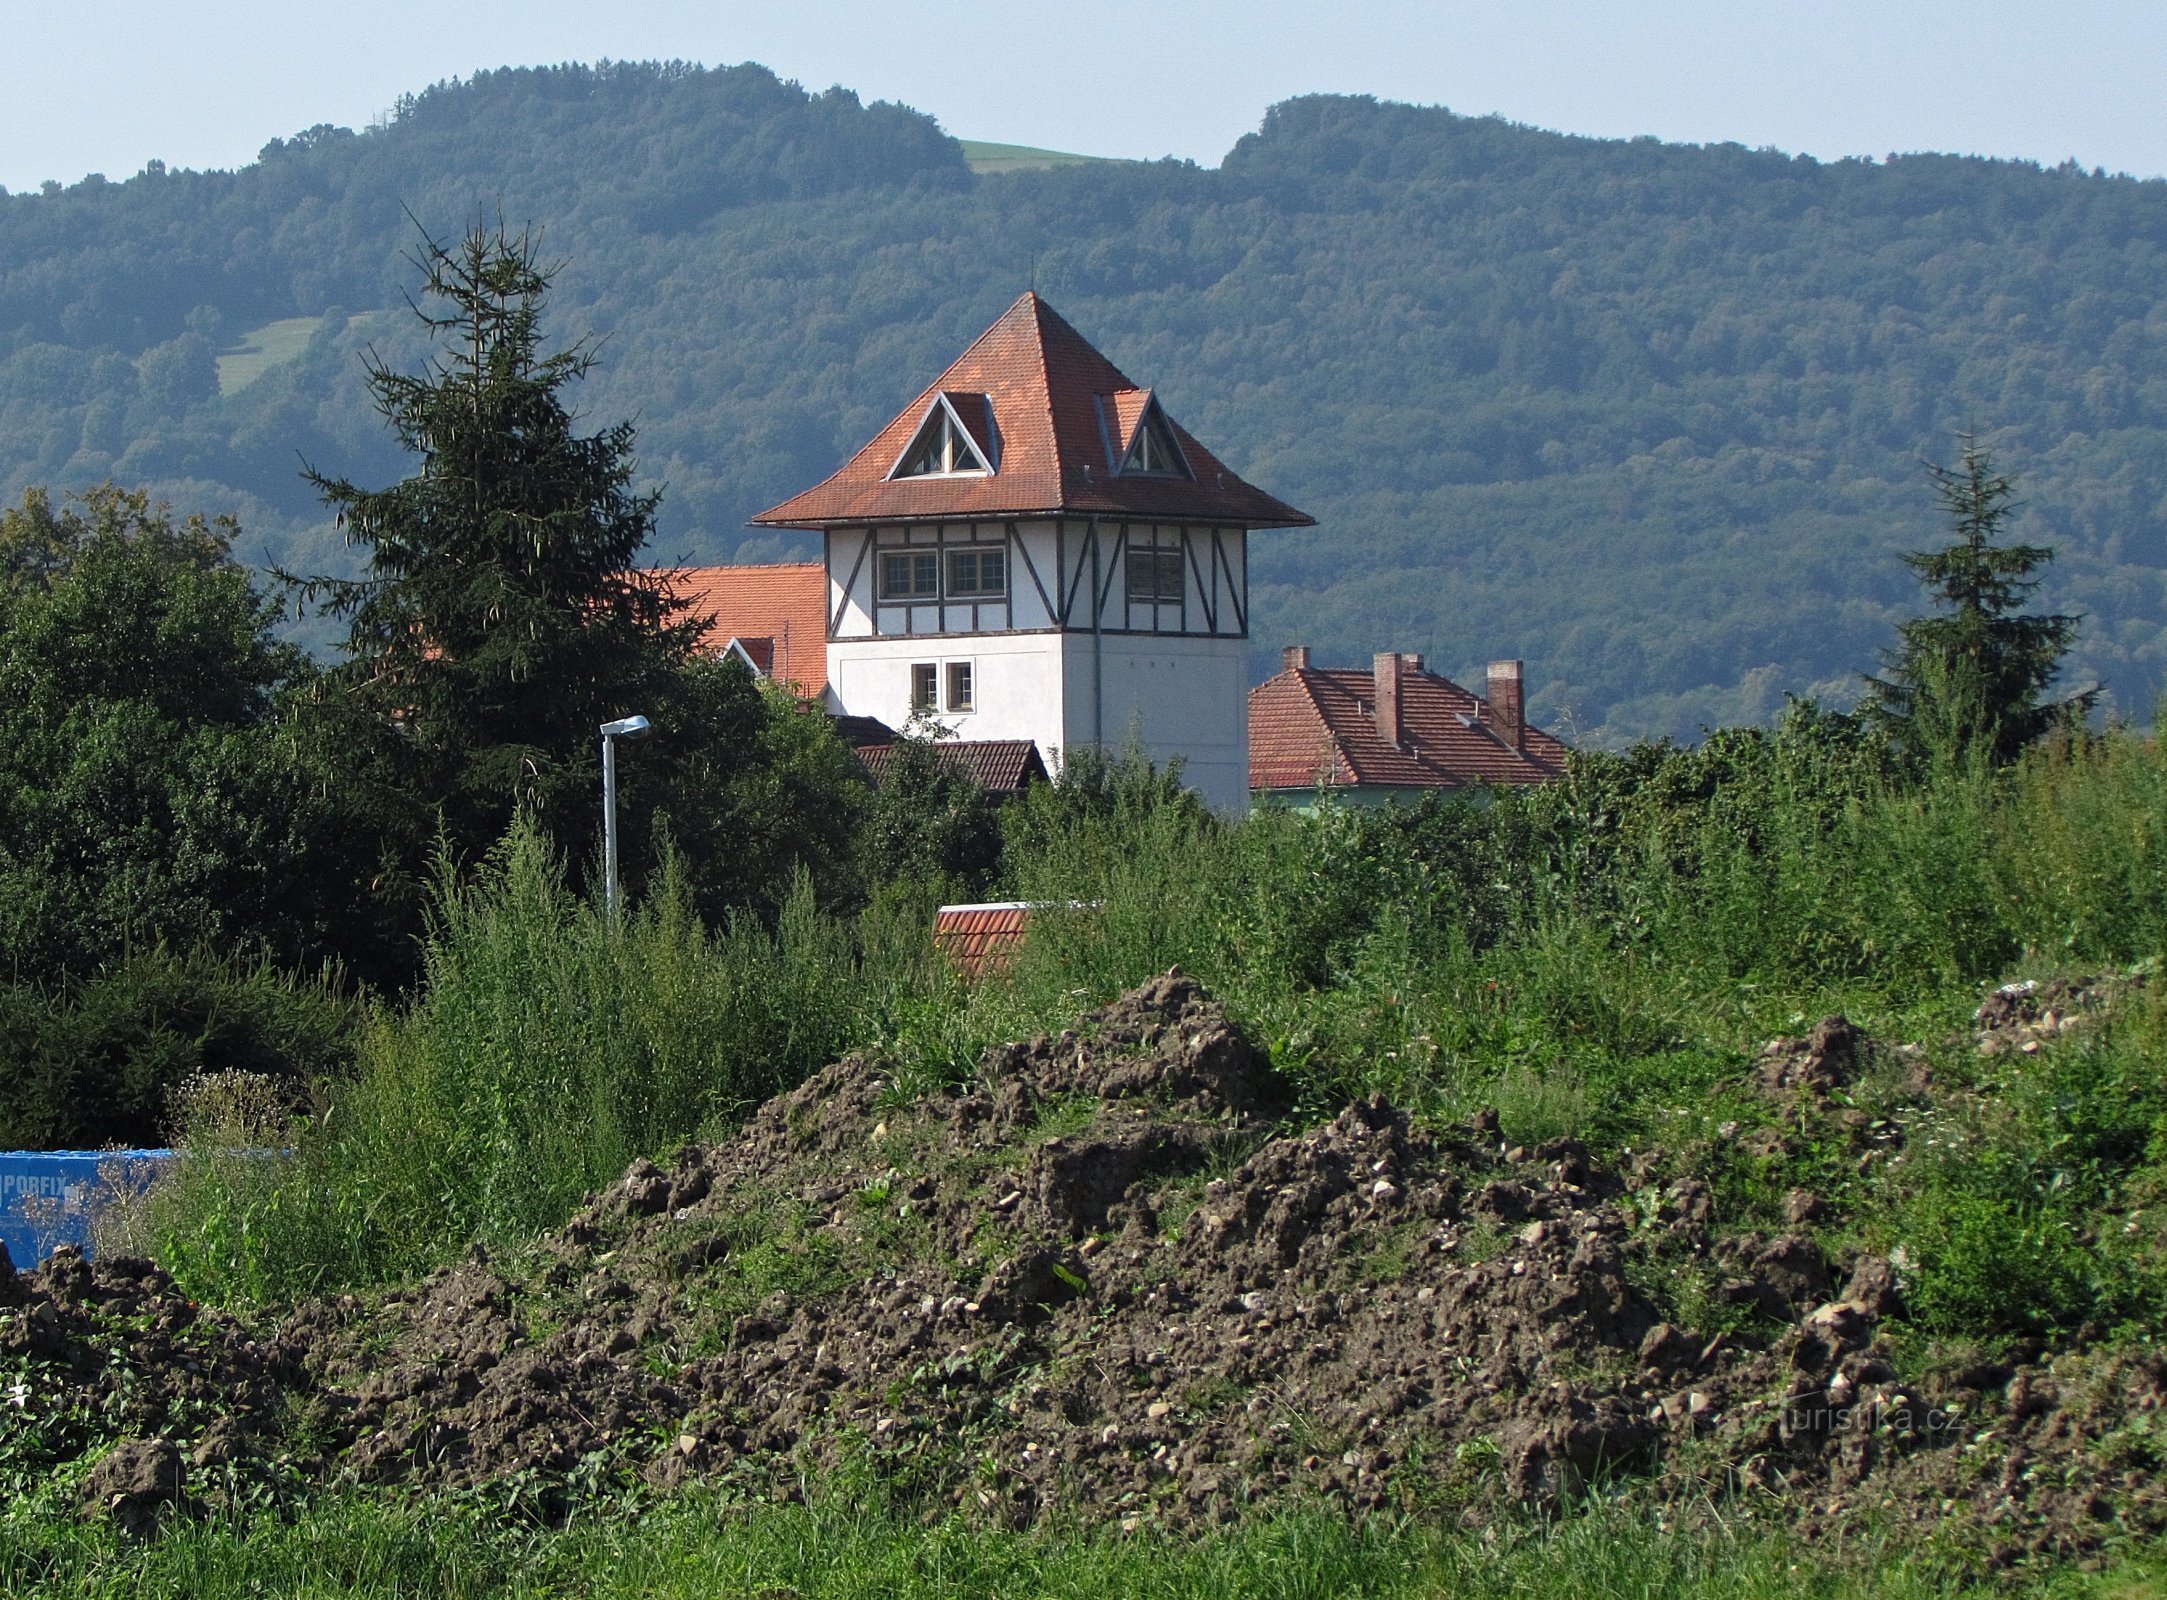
(48, 1198)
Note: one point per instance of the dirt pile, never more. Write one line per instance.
(1106, 1280)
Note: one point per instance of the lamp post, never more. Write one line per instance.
(622, 728)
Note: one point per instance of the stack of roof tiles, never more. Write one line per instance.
(980, 938)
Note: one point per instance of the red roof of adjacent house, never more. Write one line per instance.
(1000, 766)
(779, 611)
(979, 937)
(1062, 420)
(1312, 725)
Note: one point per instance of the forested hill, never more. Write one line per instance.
(1647, 415)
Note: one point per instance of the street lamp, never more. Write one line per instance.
(622, 728)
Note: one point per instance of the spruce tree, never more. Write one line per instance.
(501, 615)
(1970, 680)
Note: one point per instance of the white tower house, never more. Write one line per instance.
(1033, 549)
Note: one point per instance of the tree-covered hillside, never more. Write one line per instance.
(1649, 416)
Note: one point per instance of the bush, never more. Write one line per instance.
(95, 1061)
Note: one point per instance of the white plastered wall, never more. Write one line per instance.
(1016, 682)
(1176, 696)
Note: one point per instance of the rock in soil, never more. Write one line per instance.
(134, 1483)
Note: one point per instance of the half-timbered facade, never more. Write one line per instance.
(1033, 549)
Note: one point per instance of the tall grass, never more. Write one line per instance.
(1589, 958)
(546, 1050)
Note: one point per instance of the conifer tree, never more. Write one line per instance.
(501, 615)
(1971, 679)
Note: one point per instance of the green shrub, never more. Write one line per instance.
(91, 1062)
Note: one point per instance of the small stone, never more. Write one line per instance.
(1158, 1409)
(1382, 1190)
(1533, 1234)
(1254, 1301)
(1802, 1206)
(686, 1444)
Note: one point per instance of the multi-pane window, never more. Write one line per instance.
(924, 683)
(1154, 451)
(1154, 576)
(959, 686)
(978, 573)
(941, 450)
(910, 575)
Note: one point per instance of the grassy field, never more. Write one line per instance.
(987, 157)
(700, 1546)
(260, 349)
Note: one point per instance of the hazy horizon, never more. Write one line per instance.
(203, 87)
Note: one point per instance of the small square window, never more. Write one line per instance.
(978, 573)
(1154, 576)
(909, 575)
(924, 684)
(959, 686)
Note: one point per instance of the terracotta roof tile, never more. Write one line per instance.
(785, 604)
(1309, 725)
(1000, 766)
(977, 938)
(1046, 387)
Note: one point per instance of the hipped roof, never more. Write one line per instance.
(1064, 417)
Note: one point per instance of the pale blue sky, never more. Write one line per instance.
(97, 86)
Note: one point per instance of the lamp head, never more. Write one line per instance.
(626, 728)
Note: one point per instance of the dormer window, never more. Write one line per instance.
(1154, 452)
(944, 447)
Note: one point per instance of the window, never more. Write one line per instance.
(923, 679)
(1155, 451)
(942, 449)
(959, 686)
(909, 574)
(1154, 576)
(978, 573)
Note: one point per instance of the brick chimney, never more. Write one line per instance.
(1294, 658)
(1387, 671)
(1506, 704)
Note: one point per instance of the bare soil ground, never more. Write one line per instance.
(1111, 1281)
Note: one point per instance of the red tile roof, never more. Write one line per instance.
(978, 938)
(1056, 404)
(1310, 725)
(1001, 766)
(785, 604)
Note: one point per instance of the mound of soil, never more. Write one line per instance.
(1107, 1280)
